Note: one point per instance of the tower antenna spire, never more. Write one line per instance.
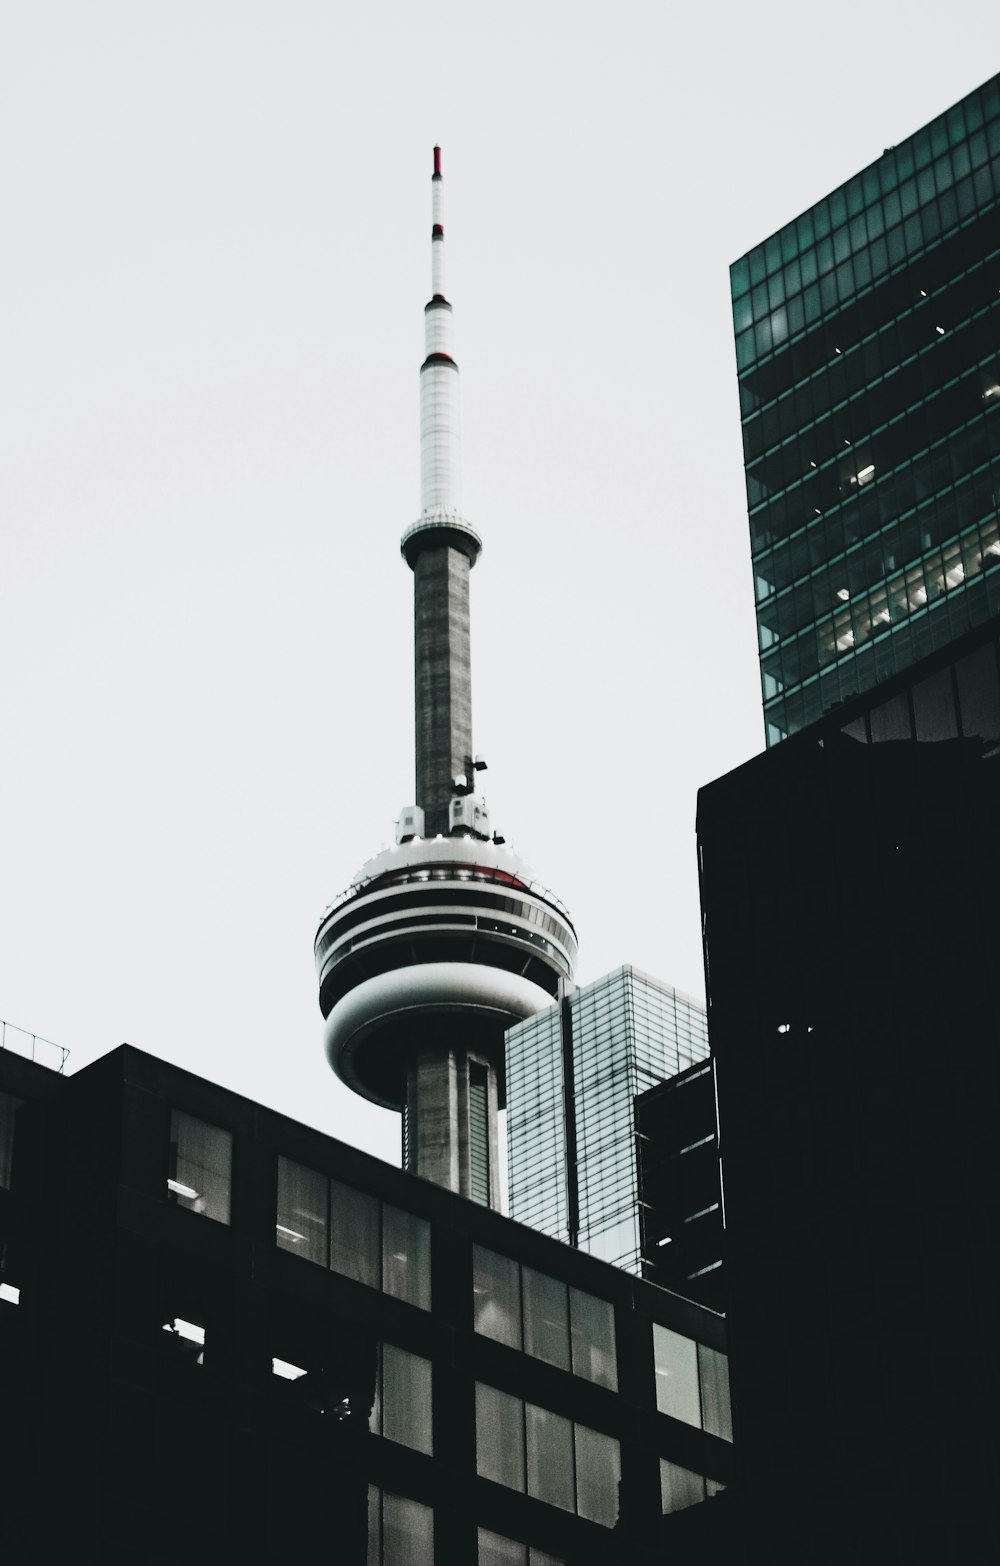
(441, 549)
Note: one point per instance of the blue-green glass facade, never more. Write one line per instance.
(572, 1074)
(868, 352)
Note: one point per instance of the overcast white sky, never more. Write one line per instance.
(214, 263)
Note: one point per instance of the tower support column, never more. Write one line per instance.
(442, 678)
(451, 1128)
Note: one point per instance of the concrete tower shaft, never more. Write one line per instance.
(441, 549)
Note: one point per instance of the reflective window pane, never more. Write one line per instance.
(301, 1227)
(679, 1487)
(716, 1411)
(200, 1165)
(497, 1295)
(406, 1257)
(598, 1474)
(676, 1362)
(592, 1323)
(406, 1398)
(499, 1436)
(407, 1532)
(354, 1234)
(546, 1323)
(495, 1550)
(549, 1448)
(374, 1525)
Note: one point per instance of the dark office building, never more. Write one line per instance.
(868, 350)
(225, 1336)
(852, 929)
(679, 1186)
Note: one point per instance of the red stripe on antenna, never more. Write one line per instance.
(437, 160)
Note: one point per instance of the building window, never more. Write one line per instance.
(497, 1296)
(188, 1337)
(500, 1436)
(546, 1318)
(199, 1175)
(549, 1453)
(679, 1487)
(564, 1327)
(598, 1475)
(9, 1105)
(403, 1408)
(692, 1382)
(329, 1370)
(713, 1377)
(592, 1324)
(496, 1550)
(406, 1256)
(352, 1233)
(303, 1212)
(532, 1449)
(400, 1531)
(676, 1360)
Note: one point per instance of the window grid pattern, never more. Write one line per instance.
(544, 1317)
(495, 1549)
(546, 1455)
(353, 1233)
(629, 1033)
(536, 1125)
(867, 335)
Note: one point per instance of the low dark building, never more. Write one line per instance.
(852, 930)
(224, 1335)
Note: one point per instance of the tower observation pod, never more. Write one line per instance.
(443, 941)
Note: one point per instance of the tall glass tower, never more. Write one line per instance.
(572, 1074)
(868, 352)
(445, 939)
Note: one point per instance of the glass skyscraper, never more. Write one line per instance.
(868, 352)
(572, 1074)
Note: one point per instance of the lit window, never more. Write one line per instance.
(189, 1337)
(676, 1364)
(10, 1293)
(679, 1487)
(199, 1173)
(286, 1370)
(303, 1224)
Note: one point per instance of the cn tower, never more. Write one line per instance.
(443, 941)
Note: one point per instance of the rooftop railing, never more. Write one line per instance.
(42, 1051)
